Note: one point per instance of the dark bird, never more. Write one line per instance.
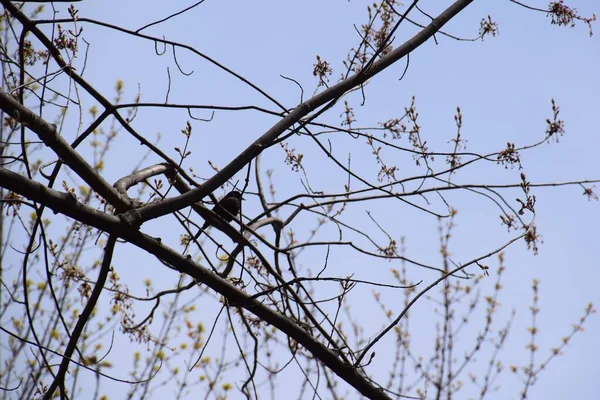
(227, 208)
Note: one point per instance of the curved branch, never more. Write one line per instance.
(58, 381)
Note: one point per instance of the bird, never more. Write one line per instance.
(227, 208)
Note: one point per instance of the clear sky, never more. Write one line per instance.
(503, 86)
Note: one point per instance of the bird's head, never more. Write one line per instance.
(236, 194)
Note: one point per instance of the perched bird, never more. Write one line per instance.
(227, 208)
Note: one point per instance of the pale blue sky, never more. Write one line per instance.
(503, 86)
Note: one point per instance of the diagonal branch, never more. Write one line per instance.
(58, 382)
(69, 206)
(168, 206)
(51, 138)
(109, 107)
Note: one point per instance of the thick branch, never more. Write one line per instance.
(168, 206)
(51, 138)
(68, 205)
(67, 68)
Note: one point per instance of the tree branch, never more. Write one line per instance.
(51, 138)
(168, 206)
(66, 204)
